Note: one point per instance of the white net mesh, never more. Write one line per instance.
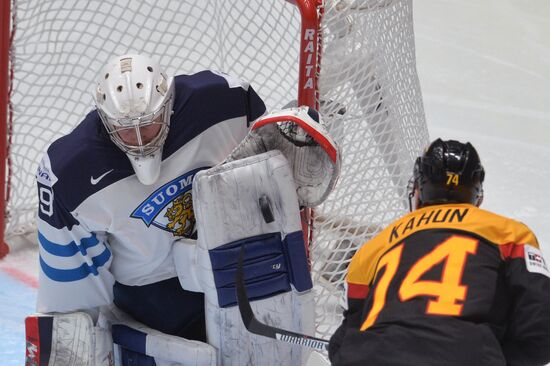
(367, 69)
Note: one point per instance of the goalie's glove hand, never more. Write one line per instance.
(300, 135)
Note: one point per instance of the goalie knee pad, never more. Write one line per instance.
(252, 203)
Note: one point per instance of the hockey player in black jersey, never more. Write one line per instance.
(449, 283)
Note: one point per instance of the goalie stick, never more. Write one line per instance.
(253, 325)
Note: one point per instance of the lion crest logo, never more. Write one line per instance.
(170, 207)
(181, 216)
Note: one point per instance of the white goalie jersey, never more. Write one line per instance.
(97, 223)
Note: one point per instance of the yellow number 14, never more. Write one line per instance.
(448, 293)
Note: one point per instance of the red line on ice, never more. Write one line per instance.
(21, 276)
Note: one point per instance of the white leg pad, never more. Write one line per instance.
(229, 215)
(67, 339)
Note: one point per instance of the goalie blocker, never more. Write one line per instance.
(250, 202)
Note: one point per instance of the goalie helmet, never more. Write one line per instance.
(447, 172)
(134, 99)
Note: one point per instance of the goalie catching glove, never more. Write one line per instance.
(300, 135)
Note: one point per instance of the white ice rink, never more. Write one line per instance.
(484, 67)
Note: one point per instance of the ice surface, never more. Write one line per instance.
(484, 68)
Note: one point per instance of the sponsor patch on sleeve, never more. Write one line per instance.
(534, 261)
(234, 82)
(44, 174)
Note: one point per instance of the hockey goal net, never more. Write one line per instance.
(352, 59)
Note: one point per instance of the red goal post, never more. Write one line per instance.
(307, 95)
(5, 36)
(354, 60)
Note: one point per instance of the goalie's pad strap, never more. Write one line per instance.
(129, 338)
(164, 348)
(270, 266)
(160, 346)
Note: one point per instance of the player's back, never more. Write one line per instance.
(437, 285)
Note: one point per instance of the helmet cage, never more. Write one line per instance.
(159, 117)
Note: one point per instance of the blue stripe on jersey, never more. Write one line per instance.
(75, 274)
(67, 250)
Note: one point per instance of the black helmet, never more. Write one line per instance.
(448, 171)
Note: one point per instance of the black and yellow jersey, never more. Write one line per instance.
(447, 285)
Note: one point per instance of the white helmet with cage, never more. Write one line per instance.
(134, 99)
